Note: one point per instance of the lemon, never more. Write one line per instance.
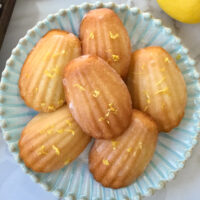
(187, 11)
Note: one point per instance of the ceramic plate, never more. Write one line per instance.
(75, 181)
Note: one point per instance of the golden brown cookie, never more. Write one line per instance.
(51, 140)
(117, 163)
(40, 80)
(157, 86)
(103, 34)
(97, 96)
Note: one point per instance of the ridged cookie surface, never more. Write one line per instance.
(97, 96)
(51, 140)
(157, 86)
(40, 80)
(117, 163)
(103, 34)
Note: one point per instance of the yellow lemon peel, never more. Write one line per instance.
(178, 56)
(60, 131)
(56, 149)
(101, 119)
(36, 90)
(160, 81)
(79, 86)
(163, 106)
(114, 144)
(43, 104)
(163, 91)
(60, 101)
(71, 131)
(91, 35)
(166, 60)
(68, 122)
(115, 58)
(113, 36)
(148, 101)
(140, 145)
(51, 108)
(106, 162)
(96, 93)
(42, 150)
(67, 162)
(129, 149)
(162, 69)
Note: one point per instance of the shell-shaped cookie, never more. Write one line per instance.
(51, 140)
(117, 163)
(97, 96)
(103, 34)
(40, 80)
(157, 86)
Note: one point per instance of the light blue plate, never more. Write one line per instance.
(75, 181)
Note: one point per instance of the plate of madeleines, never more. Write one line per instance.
(100, 101)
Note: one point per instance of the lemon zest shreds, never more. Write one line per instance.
(160, 81)
(96, 93)
(129, 149)
(60, 131)
(178, 56)
(68, 122)
(51, 108)
(42, 150)
(163, 106)
(166, 60)
(57, 151)
(71, 131)
(140, 145)
(91, 35)
(115, 58)
(101, 119)
(60, 101)
(113, 36)
(67, 162)
(114, 144)
(147, 98)
(163, 91)
(36, 90)
(79, 86)
(146, 108)
(162, 69)
(106, 162)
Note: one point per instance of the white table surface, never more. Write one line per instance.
(14, 184)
